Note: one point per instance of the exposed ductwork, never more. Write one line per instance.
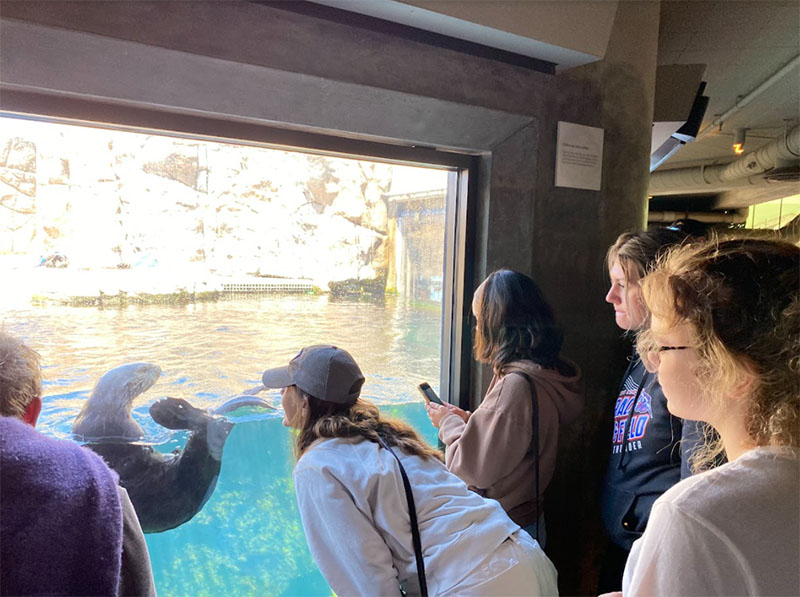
(746, 171)
(743, 101)
(738, 216)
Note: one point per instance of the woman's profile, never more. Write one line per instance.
(725, 341)
(650, 448)
(498, 448)
(350, 479)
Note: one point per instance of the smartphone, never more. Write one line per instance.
(427, 392)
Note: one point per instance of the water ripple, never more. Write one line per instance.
(212, 351)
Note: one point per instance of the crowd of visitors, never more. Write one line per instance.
(701, 490)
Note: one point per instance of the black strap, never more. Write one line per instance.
(412, 513)
(534, 440)
(627, 431)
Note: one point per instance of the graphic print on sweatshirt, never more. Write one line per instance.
(642, 414)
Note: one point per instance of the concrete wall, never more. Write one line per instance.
(625, 80)
(248, 62)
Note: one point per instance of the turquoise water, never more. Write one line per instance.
(248, 538)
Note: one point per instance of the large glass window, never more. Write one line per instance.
(773, 215)
(215, 261)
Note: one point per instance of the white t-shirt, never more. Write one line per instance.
(734, 530)
(355, 516)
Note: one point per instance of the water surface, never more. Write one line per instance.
(248, 539)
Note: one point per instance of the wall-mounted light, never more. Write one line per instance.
(738, 141)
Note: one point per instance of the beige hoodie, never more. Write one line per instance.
(491, 451)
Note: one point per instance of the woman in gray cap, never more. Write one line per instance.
(353, 477)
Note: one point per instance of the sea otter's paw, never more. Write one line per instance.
(177, 413)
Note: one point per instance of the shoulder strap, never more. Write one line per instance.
(412, 513)
(534, 440)
(631, 362)
(627, 431)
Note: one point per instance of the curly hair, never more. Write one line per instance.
(741, 298)
(20, 376)
(515, 323)
(324, 420)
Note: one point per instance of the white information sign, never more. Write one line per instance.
(579, 157)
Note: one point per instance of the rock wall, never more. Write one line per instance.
(111, 199)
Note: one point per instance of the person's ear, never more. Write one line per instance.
(650, 361)
(31, 414)
(746, 379)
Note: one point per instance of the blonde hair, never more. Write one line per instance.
(325, 420)
(20, 376)
(637, 252)
(740, 297)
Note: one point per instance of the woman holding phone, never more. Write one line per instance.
(350, 478)
(493, 449)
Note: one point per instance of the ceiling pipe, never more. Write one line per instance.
(692, 186)
(743, 101)
(720, 177)
(736, 217)
(785, 147)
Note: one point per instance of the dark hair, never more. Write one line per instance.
(694, 228)
(637, 252)
(326, 420)
(515, 322)
(740, 295)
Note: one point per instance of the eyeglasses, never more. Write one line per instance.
(653, 356)
(650, 349)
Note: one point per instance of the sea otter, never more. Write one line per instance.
(166, 489)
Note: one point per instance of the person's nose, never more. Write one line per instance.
(612, 296)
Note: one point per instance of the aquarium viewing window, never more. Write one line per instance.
(215, 259)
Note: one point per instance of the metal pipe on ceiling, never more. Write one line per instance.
(784, 147)
(719, 177)
(735, 217)
(743, 101)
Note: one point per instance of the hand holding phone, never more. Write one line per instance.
(428, 394)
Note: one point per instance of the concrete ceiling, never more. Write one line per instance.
(566, 34)
(742, 43)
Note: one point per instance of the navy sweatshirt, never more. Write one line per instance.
(645, 457)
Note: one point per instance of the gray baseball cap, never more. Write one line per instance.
(322, 371)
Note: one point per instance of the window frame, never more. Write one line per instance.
(458, 268)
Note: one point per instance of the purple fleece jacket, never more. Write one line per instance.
(60, 517)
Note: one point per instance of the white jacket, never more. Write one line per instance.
(355, 516)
